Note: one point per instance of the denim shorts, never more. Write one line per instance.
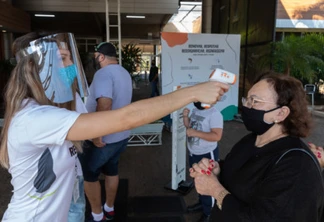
(77, 207)
(104, 160)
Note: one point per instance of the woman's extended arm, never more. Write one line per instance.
(97, 124)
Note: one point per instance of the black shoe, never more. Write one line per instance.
(194, 208)
(204, 218)
(109, 215)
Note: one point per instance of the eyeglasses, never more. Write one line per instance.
(252, 101)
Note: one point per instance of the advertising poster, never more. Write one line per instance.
(178, 149)
(188, 59)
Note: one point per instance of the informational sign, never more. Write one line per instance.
(188, 59)
(178, 149)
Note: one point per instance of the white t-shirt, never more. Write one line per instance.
(42, 164)
(203, 120)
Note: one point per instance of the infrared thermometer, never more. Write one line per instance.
(223, 76)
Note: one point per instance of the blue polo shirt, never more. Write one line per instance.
(114, 82)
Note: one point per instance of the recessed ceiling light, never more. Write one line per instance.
(191, 3)
(4, 30)
(1, 26)
(44, 15)
(136, 16)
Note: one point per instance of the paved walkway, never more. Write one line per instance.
(148, 169)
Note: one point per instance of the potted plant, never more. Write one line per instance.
(131, 59)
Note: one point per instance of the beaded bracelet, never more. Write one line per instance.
(221, 197)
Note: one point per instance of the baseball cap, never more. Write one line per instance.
(106, 48)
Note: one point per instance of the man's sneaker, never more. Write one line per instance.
(109, 215)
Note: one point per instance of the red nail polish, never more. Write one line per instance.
(212, 165)
(319, 155)
(211, 160)
(210, 169)
(208, 172)
(203, 172)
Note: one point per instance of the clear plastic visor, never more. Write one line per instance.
(59, 65)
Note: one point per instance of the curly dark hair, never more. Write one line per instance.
(290, 93)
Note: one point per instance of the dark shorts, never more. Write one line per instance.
(206, 201)
(104, 160)
(196, 158)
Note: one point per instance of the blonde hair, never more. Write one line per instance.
(24, 83)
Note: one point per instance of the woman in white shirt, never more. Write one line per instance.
(39, 140)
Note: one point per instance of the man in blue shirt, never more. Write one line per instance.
(110, 89)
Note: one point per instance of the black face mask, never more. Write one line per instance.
(198, 105)
(253, 120)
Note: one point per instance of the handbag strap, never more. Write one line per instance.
(302, 150)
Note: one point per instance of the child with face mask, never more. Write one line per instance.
(204, 130)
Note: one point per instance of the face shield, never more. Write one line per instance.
(59, 65)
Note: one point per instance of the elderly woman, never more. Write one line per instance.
(270, 174)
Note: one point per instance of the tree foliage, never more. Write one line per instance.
(131, 57)
(301, 57)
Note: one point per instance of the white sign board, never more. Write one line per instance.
(188, 59)
(178, 149)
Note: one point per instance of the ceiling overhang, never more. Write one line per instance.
(126, 6)
(88, 17)
(13, 19)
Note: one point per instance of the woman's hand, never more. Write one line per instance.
(210, 92)
(207, 184)
(205, 166)
(318, 152)
(205, 174)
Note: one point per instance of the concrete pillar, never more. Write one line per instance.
(206, 22)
